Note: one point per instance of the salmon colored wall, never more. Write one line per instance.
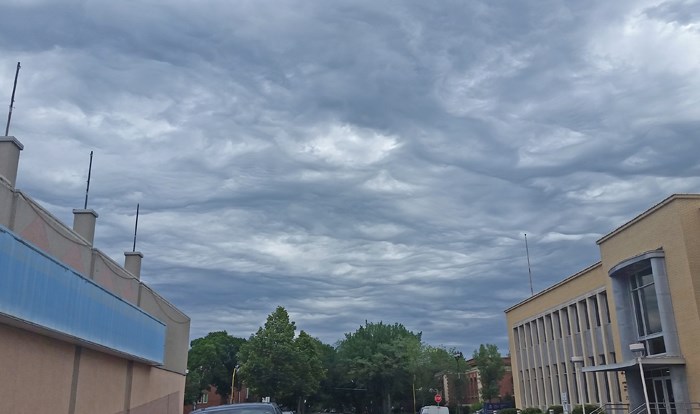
(101, 383)
(35, 372)
(150, 383)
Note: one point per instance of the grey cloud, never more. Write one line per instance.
(353, 162)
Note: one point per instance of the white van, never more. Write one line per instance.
(434, 409)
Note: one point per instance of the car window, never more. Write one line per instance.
(247, 410)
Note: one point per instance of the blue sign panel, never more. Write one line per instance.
(37, 289)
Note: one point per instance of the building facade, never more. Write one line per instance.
(79, 333)
(469, 383)
(590, 337)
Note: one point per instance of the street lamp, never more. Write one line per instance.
(638, 349)
(577, 360)
(457, 356)
(233, 383)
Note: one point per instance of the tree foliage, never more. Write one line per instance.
(275, 364)
(211, 361)
(432, 362)
(491, 369)
(381, 359)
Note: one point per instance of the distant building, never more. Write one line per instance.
(78, 332)
(470, 390)
(642, 295)
(210, 398)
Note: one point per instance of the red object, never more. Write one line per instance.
(438, 398)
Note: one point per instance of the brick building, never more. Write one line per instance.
(470, 390)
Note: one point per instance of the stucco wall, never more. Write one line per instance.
(177, 330)
(6, 195)
(35, 372)
(154, 390)
(101, 381)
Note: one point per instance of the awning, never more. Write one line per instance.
(646, 361)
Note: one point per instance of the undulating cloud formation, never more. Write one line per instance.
(355, 160)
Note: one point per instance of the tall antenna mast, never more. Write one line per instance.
(136, 226)
(532, 292)
(87, 190)
(12, 101)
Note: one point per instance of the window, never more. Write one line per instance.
(204, 398)
(574, 314)
(565, 321)
(604, 306)
(596, 310)
(556, 322)
(646, 308)
(584, 304)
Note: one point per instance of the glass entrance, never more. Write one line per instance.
(660, 390)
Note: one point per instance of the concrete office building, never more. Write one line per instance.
(78, 332)
(637, 306)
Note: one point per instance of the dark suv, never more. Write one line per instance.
(242, 408)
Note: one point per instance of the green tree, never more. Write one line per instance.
(310, 367)
(211, 361)
(378, 357)
(275, 364)
(433, 361)
(489, 362)
(194, 385)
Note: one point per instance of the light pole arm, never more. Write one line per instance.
(233, 384)
(644, 384)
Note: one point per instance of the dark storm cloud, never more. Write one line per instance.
(360, 160)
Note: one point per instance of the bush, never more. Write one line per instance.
(557, 409)
(533, 410)
(589, 409)
(508, 411)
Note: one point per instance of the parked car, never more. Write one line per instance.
(434, 409)
(241, 408)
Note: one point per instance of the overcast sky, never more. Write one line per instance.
(355, 160)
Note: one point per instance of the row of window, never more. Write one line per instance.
(547, 372)
(565, 321)
(605, 386)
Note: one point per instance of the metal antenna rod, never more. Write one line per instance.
(87, 190)
(532, 292)
(12, 102)
(136, 226)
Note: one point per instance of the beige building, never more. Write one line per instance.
(79, 333)
(637, 306)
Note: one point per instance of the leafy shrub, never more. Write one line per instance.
(557, 409)
(533, 410)
(508, 411)
(589, 409)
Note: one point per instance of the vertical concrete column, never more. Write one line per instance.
(84, 223)
(132, 263)
(9, 158)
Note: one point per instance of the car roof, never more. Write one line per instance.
(238, 406)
